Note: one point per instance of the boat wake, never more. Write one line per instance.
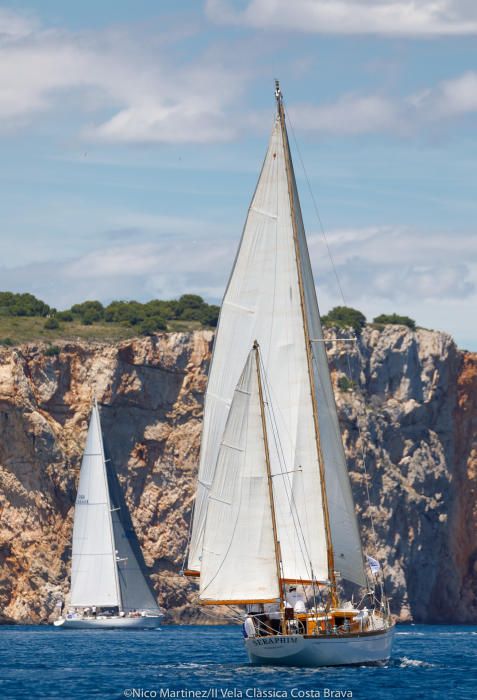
(404, 662)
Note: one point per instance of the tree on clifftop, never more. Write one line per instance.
(345, 317)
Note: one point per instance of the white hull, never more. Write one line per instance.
(108, 623)
(297, 650)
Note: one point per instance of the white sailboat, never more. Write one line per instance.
(108, 586)
(274, 524)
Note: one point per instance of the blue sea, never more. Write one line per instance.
(42, 662)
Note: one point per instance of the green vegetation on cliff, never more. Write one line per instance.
(396, 320)
(345, 317)
(24, 318)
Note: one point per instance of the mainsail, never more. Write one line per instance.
(271, 297)
(94, 575)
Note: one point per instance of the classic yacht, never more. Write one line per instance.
(274, 526)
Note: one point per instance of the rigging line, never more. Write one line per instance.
(217, 616)
(315, 205)
(219, 568)
(276, 433)
(290, 497)
(285, 473)
(235, 524)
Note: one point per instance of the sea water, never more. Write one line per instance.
(179, 662)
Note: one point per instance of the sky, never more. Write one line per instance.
(132, 133)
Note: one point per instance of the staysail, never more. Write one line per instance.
(271, 297)
(238, 559)
(94, 575)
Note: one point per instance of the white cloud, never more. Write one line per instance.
(152, 94)
(138, 88)
(350, 114)
(455, 97)
(164, 269)
(359, 114)
(424, 18)
(398, 264)
(14, 25)
(382, 268)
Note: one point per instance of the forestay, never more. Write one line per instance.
(94, 570)
(238, 560)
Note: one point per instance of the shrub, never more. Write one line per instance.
(52, 351)
(345, 317)
(189, 307)
(345, 384)
(162, 309)
(396, 320)
(66, 316)
(12, 304)
(210, 315)
(91, 310)
(150, 325)
(7, 341)
(51, 324)
(130, 312)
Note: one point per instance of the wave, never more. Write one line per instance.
(404, 662)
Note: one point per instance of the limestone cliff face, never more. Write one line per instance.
(412, 407)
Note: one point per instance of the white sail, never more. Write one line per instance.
(262, 301)
(346, 541)
(238, 557)
(94, 579)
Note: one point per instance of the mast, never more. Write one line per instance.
(110, 517)
(270, 487)
(288, 165)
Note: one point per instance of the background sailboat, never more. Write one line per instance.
(109, 587)
(271, 297)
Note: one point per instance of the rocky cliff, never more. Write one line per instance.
(408, 399)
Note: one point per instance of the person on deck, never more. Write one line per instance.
(297, 599)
